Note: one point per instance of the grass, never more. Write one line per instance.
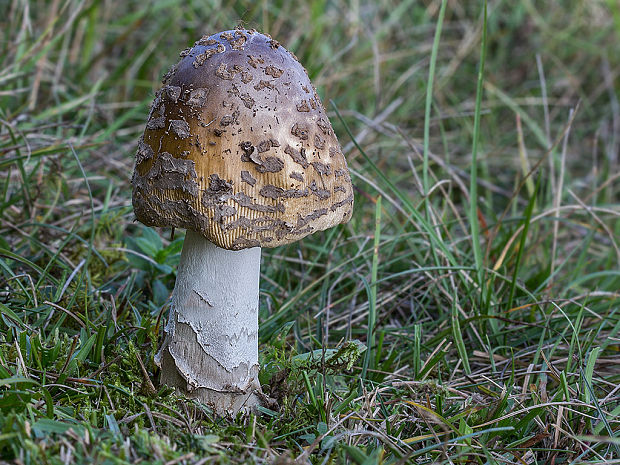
(481, 268)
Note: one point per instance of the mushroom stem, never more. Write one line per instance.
(211, 347)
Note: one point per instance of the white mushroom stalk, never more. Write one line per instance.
(211, 345)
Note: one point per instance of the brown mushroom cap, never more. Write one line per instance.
(238, 148)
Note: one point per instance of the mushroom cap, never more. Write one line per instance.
(238, 148)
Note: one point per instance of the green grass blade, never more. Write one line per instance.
(429, 99)
(473, 180)
(370, 355)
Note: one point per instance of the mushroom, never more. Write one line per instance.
(239, 151)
